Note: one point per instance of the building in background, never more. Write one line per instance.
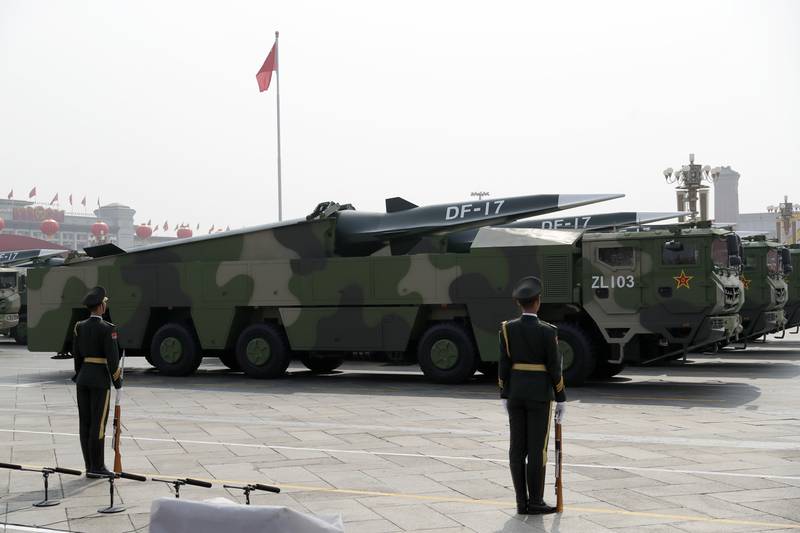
(726, 209)
(73, 229)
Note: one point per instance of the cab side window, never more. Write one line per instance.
(621, 256)
(683, 254)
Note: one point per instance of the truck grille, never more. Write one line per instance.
(732, 295)
(780, 295)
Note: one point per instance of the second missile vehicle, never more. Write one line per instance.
(766, 267)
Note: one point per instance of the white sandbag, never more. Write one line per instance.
(171, 515)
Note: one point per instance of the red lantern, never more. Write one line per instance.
(184, 232)
(49, 227)
(2, 224)
(144, 232)
(99, 229)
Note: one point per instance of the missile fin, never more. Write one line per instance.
(398, 204)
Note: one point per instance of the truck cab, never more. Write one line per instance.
(658, 294)
(9, 299)
(766, 266)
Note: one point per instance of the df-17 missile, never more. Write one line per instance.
(404, 223)
(22, 257)
(460, 242)
(598, 221)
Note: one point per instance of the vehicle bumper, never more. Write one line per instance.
(719, 328)
(8, 321)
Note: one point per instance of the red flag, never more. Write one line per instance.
(166, 226)
(150, 222)
(264, 75)
(70, 199)
(32, 193)
(227, 228)
(211, 230)
(11, 194)
(198, 228)
(83, 202)
(54, 200)
(98, 201)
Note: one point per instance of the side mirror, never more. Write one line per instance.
(732, 240)
(674, 246)
(734, 261)
(786, 260)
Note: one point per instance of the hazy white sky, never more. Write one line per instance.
(155, 103)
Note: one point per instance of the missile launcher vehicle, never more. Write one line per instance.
(341, 282)
(766, 267)
(9, 300)
(792, 308)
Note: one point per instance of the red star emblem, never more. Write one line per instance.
(746, 282)
(683, 280)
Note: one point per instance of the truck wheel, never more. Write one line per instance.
(447, 354)
(320, 364)
(488, 369)
(20, 333)
(174, 350)
(149, 359)
(606, 370)
(577, 353)
(229, 360)
(262, 351)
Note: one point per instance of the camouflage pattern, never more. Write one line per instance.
(438, 305)
(792, 308)
(9, 299)
(765, 287)
(662, 303)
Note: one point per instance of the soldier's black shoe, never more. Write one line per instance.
(540, 508)
(522, 509)
(99, 473)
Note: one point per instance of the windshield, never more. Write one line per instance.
(719, 253)
(679, 254)
(8, 280)
(773, 262)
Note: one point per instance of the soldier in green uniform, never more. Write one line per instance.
(530, 378)
(96, 356)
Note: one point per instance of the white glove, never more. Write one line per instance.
(505, 404)
(561, 409)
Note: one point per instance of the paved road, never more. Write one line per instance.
(713, 445)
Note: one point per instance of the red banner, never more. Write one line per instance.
(37, 214)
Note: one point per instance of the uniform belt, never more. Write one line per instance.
(529, 367)
(95, 360)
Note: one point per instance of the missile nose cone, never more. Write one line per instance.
(565, 201)
(643, 217)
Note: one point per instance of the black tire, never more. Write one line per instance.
(262, 351)
(447, 354)
(605, 370)
(229, 360)
(488, 369)
(577, 352)
(320, 364)
(20, 333)
(175, 351)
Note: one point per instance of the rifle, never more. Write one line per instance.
(118, 419)
(559, 494)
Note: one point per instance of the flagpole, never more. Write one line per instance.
(278, 104)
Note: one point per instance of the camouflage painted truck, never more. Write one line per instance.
(342, 281)
(766, 266)
(792, 308)
(9, 300)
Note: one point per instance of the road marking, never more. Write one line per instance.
(334, 451)
(662, 398)
(501, 503)
(682, 442)
(25, 385)
(31, 529)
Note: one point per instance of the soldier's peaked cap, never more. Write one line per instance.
(527, 288)
(94, 297)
